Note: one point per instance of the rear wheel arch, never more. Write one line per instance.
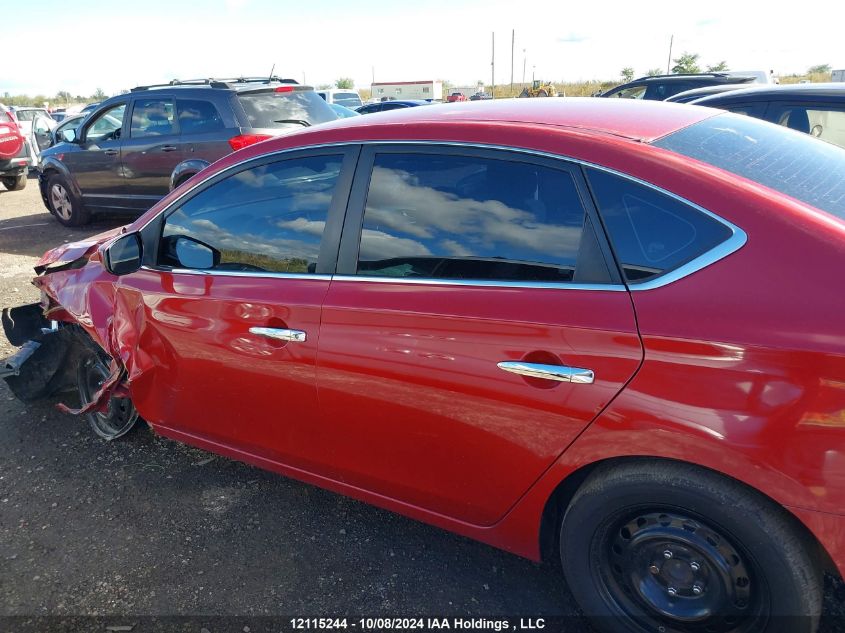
(560, 498)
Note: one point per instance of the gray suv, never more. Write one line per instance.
(134, 148)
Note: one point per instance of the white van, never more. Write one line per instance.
(342, 96)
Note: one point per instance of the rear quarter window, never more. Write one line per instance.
(652, 233)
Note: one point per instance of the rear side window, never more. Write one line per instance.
(269, 218)
(465, 217)
(652, 233)
(197, 116)
(153, 117)
(824, 122)
(794, 164)
(299, 108)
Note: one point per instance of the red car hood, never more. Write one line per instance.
(72, 251)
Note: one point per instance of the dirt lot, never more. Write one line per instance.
(145, 526)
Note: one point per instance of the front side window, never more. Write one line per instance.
(634, 92)
(652, 233)
(824, 122)
(153, 117)
(268, 218)
(107, 125)
(466, 217)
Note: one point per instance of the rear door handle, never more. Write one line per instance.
(168, 148)
(295, 336)
(560, 373)
(110, 152)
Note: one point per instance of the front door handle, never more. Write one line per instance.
(279, 334)
(110, 152)
(168, 148)
(560, 373)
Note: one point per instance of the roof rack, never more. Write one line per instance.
(682, 75)
(216, 83)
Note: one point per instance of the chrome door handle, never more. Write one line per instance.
(168, 148)
(110, 152)
(296, 336)
(550, 372)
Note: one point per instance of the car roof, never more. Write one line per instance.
(704, 91)
(827, 91)
(630, 118)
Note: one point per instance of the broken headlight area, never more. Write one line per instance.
(56, 357)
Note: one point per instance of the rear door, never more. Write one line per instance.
(151, 151)
(473, 330)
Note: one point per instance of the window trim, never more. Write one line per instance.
(347, 261)
(726, 248)
(326, 260)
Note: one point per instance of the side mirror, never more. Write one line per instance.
(191, 253)
(69, 136)
(123, 256)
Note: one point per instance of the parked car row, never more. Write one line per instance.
(600, 332)
(18, 151)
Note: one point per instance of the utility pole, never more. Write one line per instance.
(513, 41)
(669, 63)
(493, 66)
(524, 58)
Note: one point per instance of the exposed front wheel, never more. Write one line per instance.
(662, 546)
(14, 183)
(120, 416)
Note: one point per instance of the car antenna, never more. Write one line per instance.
(272, 68)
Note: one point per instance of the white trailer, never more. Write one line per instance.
(427, 90)
(837, 75)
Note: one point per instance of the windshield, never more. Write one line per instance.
(285, 109)
(793, 163)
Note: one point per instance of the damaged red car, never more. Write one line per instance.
(603, 333)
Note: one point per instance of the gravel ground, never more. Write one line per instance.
(146, 526)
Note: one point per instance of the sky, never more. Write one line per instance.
(85, 45)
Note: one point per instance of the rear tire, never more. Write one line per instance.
(14, 183)
(64, 204)
(662, 546)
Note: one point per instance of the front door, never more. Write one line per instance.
(474, 329)
(96, 162)
(227, 307)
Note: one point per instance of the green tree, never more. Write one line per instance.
(627, 74)
(721, 66)
(63, 96)
(98, 95)
(686, 63)
(345, 82)
(654, 72)
(819, 68)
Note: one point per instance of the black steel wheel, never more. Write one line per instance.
(684, 573)
(657, 546)
(120, 416)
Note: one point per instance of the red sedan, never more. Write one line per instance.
(603, 332)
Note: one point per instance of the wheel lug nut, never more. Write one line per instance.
(696, 589)
(654, 569)
(694, 566)
(672, 591)
(667, 553)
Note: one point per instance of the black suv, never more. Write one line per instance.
(660, 87)
(133, 148)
